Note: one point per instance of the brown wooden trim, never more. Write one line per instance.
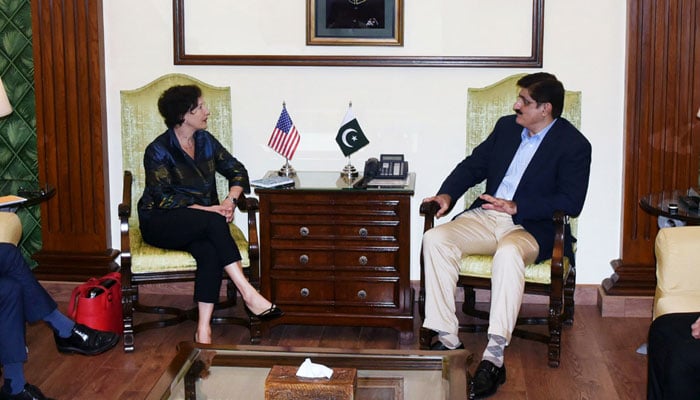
(662, 133)
(71, 137)
(534, 60)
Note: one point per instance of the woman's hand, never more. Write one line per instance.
(226, 210)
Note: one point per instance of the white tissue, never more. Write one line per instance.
(307, 369)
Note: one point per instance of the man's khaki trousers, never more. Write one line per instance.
(476, 231)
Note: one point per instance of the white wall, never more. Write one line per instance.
(416, 111)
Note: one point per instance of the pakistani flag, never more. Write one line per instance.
(350, 137)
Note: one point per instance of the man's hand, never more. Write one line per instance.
(502, 205)
(695, 329)
(444, 200)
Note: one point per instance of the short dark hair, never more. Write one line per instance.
(176, 101)
(545, 88)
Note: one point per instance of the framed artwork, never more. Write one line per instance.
(354, 22)
(376, 47)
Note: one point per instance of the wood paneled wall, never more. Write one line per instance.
(71, 138)
(662, 132)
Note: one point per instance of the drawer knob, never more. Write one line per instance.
(304, 259)
(362, 260)
(304, 292)
(304, 231)
(362, 295)
(363, 232)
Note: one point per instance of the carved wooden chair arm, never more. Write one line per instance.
(428, 210)
(124, 211)
(557, 264)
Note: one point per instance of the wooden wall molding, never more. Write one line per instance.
(662, 133)
(71, 138)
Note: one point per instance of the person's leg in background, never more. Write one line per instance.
(673, 358)
(23, 299)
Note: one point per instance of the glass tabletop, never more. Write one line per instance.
(225, 372)
(671, 204)
(328, 180)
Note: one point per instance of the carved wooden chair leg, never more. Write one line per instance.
(255, 330)
(569, 305)
(425, 338)
(128, 319)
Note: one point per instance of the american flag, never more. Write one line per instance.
(285, 137)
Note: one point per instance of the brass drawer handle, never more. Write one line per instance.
(362, 295)
(304, 292)
(363, 232)
(304, 259)
(304, 231)
(362, 260)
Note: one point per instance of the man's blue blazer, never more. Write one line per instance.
(556, 178)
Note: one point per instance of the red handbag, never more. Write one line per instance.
(97, 303)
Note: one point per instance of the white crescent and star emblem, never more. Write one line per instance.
(345, 137)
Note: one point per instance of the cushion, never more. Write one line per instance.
(479, 266)
(10, 228)
(146, 258)
(677, 278)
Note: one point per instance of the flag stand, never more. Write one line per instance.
(349, 172)
(287, 170)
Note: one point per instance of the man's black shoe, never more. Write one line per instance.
(487, 378)
(30, 392)
(439, 346)
(86, 341)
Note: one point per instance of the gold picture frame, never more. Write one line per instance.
(354, 22)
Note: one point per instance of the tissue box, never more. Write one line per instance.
(283, 384)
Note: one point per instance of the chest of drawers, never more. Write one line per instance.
(333, 255)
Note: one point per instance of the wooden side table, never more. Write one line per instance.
(657, 204)
(335, 255)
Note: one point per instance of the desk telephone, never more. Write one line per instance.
(389, 166)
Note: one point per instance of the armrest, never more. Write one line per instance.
(124, 211)
(428, 210)
(560, 221)
(124, 208)
(251, 206)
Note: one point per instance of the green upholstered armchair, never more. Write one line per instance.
(555, 277)
(142, 264)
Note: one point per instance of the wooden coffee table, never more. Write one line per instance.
(228, 372)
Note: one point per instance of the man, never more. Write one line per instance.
(674, 357)
(23, 299)
(534, 163)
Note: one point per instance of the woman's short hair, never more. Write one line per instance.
(545, 88)
(176, 101)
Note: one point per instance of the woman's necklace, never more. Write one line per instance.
(356, 2)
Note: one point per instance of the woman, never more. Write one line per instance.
(180, 208)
